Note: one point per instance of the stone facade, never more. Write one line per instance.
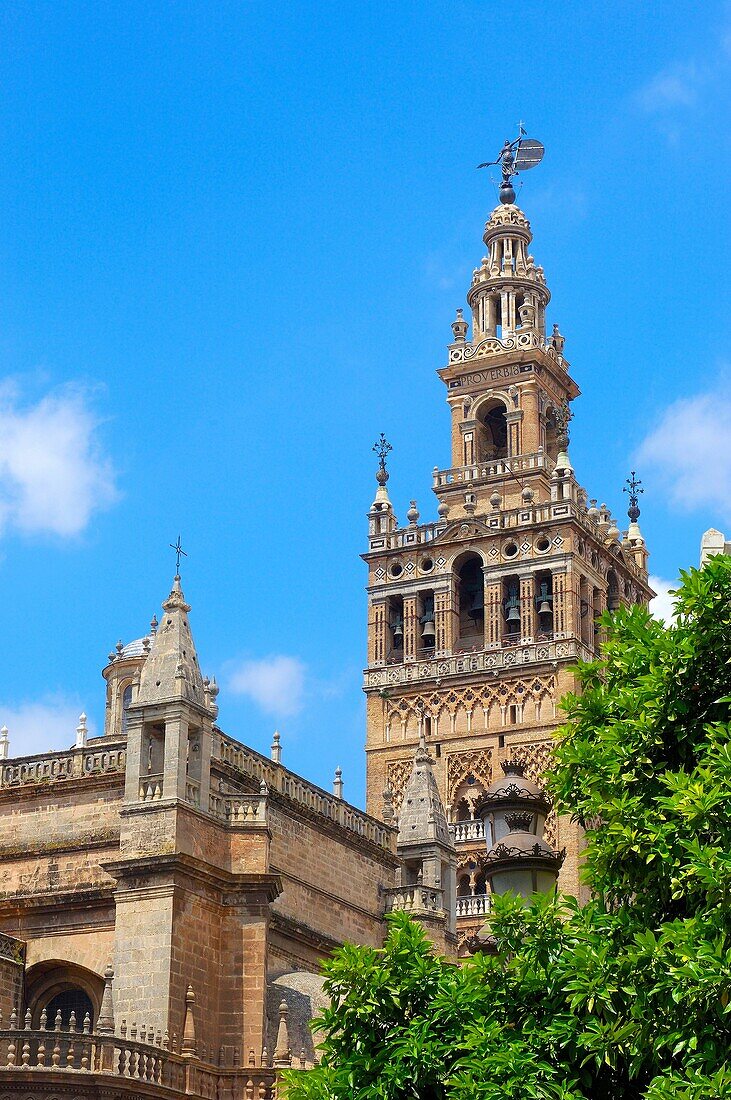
(167, 894)
(476, 620)
(174, 889)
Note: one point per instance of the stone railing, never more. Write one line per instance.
(477, 905)
(124, 1062)
(50, 767)
(415, 899)
(465, 831)
(151, 787)
(498, 467)
(239, 809)
(485, 660)
(306, 795)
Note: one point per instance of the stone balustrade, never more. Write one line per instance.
(415, 899)
(475, 905)
(483, 660)
(306, 795)
(483, 471)
(465, 831)
(107, 756)
(151, 787)
(127, 1062)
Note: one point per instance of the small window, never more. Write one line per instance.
(513, 713)
(126, 704)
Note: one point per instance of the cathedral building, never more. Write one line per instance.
(168, 894)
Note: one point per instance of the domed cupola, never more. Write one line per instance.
(508, 296)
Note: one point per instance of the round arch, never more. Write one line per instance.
(48, 980)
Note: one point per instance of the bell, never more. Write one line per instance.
(513, 615)
(477, 606)
(428, 633)
(397, 628)
(544, 608)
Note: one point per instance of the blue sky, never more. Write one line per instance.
(232, 240)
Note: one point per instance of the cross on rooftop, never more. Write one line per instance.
(177, 547)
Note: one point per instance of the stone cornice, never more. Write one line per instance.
(140, 874)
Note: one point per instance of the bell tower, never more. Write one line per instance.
(476, 619)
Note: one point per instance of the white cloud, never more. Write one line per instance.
(53, 476)
(677, 86)
(41, 726)
(661, 607)
(276, 684)
(690, 451)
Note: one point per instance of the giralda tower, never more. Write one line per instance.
(476, 620)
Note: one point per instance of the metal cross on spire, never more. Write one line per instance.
(177, 547)
(633, 489)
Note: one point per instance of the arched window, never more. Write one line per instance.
(493, 432)
(463, 887)
(480, 884)
(612, 591)
(68, 1001)
(126, 704)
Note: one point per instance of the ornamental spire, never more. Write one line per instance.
(632, 488)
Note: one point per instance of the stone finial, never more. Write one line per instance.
(282, 1052)
(443, 510)
(413, 514)
(338, 782)
(4, 743)
(153, 625)
(459, 328)
(189, 1046)
(277, 747)
(105, 1023)
(495, 499)
(556, 341)
(81, 731)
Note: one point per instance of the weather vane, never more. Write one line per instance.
(633, 489)
(381, 448)
(515, 157)
(177, 547)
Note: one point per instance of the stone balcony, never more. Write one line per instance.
(84, 1064)
(416, 900)
(496, 659)
(466, 832)
(475, 905)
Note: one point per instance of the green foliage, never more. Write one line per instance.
(626, 997)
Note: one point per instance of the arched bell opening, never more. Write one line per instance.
(492, 433)
(396, 627)
(470, 602)
(613, 598)
(427, 628)
(544, 604)
(511, 608)
(552, 430)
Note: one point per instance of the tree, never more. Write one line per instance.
(626, 997)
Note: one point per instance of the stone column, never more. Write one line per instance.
(527, 608)
(444, 620)
(133, 768)
(377, 647)
(531, 418)
(411, 624)
(493, 611)
(560, 616)
(176, 753)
